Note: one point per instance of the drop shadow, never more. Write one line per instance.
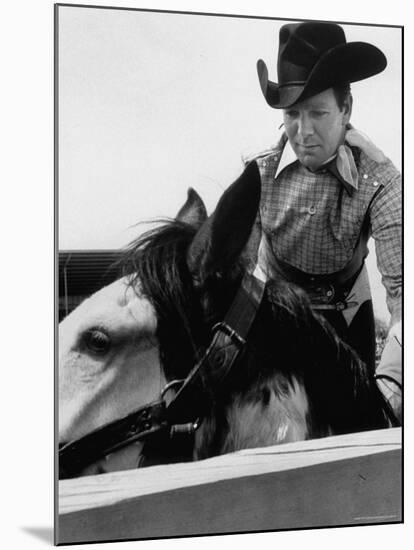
(43, 533)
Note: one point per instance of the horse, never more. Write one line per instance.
(148, 343)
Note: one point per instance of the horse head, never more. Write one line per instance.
(109, 355)
(294, 378)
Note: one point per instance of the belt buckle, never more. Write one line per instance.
(322, 294)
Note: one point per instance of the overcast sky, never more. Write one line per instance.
(150, 104)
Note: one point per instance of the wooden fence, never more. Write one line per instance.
(342, 480)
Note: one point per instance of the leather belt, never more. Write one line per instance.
(328, 291)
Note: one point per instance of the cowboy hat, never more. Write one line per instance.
(314, 57)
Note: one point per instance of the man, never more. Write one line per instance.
(326, 188)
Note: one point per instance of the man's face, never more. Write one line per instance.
(316, 127)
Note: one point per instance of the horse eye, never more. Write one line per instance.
(97, 341)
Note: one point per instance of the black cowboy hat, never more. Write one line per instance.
(314, 57)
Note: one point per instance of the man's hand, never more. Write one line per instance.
(358, 139)
(393, 394)
(389, 371)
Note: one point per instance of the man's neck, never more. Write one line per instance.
(343, 172)
(324, 163)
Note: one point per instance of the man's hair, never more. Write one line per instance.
(342, 92)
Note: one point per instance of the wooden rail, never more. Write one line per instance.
(341, 480)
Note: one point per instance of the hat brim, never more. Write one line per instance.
(345, 63)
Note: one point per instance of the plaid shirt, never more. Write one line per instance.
(314, 220)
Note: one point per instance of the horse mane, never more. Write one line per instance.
(155, 264)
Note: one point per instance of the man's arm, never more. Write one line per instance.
(386, 222)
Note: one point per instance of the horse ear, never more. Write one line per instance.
(220, 241)
(193, 211)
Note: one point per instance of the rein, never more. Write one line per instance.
(184, 413)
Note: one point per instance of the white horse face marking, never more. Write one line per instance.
(108, 360)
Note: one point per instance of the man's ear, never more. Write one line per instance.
(347, 110)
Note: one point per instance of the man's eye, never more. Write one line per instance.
(97, 341)
(291, 114)
(319, 114)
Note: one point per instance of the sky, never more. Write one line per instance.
(150, 104)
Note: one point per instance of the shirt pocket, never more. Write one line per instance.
(347, 219)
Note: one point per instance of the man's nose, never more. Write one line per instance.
(305, 126)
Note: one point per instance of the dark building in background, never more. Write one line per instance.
(83, 272)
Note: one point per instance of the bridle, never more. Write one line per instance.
(174, 423)
(167, 426)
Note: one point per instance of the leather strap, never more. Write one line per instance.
(78, 454)
(228, 341)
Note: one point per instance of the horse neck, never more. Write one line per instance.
(266, 400)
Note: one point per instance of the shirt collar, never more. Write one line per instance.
(341, 165)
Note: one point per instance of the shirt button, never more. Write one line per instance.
(264, 163)
(375, 183)
(311, 210)
(365, 176)
(329, 293)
